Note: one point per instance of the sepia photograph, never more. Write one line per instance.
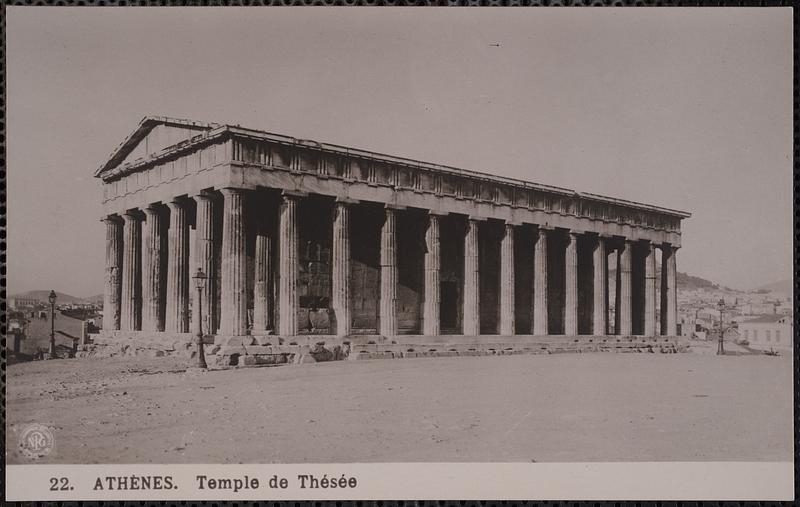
(500, 237)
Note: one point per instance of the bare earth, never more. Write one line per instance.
(565, 407)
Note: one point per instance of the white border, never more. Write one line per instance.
(765, 481)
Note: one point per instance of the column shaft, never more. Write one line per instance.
(540, 284)
(113, 281)
(430, 316)
(600, 289)
(388, 297)
(669, 294)
(204, 259)
(261, 283)
(233, 315)
(507, 306)
(177, 316)
(340, 279)
(131, 316)
(287, 259)
(623, 306)
(650, 291)
(152, 276)
(471, 310)
(571, 286)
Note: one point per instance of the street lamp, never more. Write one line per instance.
(721, 307)
(52, 299)
(200, 282)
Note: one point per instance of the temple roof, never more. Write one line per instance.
(139, 149)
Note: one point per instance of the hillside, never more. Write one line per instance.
(42, 295)
(783, 286)
(685, 281)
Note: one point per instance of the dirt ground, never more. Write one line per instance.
(555, 408)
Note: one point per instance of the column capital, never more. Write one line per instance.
(153, 207)
(394, 207)
(345, 201)
(437, 212)
(476, 218)
(178, 202)
(293, 194)
(544, 227)
(202, 195)
(112, 219)
(132, 215)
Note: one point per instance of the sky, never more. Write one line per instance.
(690, 109)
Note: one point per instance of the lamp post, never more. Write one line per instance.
(720, 347)
(52, 299)
(200, 282)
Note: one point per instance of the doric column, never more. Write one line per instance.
(204, 259)
(287, 259)
(571, 285)
(600, 289)
(507, 307)
(623, 306)
(340, 268)
(650, 291)
(233, 315)
(177, 317)
(113, 280)
(152, 276)
(540, 283)
(388, 298)
(669, 293)
(131, 316)
(431, 325)
(262, 274)
(471, 311)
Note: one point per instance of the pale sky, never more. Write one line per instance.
(684, 108)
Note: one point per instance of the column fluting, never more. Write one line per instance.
(131, 316)
(650, 291)
(340, 268)
(669, 299)
(233, 315)
(204, 259)
(177, 313)
(507, 299)
(152, 275)
(571, 285)
(112, 293)
(388, 261)
(287, 259)
(540, 327)
(431, 325)
(471, 312)
(623, 307)
(600, 288)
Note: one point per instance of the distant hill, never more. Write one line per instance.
(95, 299)
(689, 282)
(42, 296)
(784, 286)
(685, 281)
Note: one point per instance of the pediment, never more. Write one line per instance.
(152, 136)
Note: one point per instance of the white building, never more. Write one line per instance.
(768, 332)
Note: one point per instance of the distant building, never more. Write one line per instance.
(768, 332)
(23, 302)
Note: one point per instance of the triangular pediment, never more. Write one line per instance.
(153, 135)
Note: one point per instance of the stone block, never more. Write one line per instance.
(304, 359)
(265, 340)
(247, 361)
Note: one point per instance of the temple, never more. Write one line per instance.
(306, 238)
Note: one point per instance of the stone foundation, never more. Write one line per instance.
(274, 350)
